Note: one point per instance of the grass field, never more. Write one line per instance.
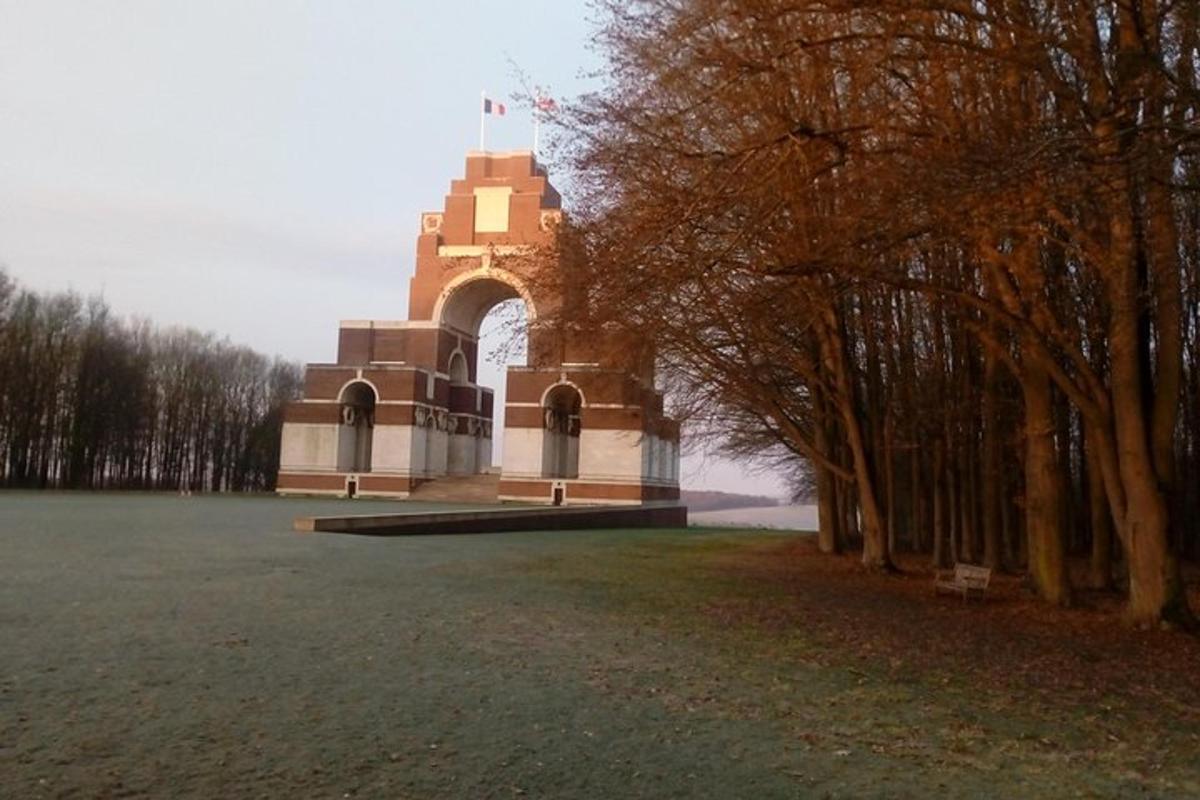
(157, 646)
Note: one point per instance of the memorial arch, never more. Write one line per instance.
(583, 422)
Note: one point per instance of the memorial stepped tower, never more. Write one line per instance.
(583, 422)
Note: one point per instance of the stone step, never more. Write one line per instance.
(460, 489)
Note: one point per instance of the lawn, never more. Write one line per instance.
(156, 646)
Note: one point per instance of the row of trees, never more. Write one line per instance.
(947, 253)
(89, 401)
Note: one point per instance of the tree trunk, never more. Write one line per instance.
(940, 550)
(1100, 522)
(919, 526)
(953, 498)
(827, 506)
(875, 555)
(1156, 589)
(849, 515)
(1010, 536)
(1043, 491)
(967, 504)
(889, 477)
(989, 489)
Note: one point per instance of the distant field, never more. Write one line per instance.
(159, 646)
(792, 518)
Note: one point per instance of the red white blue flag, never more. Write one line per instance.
(492, 107)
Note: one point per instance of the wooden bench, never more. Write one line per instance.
(964, 579)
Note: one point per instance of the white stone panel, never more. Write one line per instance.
(616, 455)
(392, 450)
(491, 208)
(653, 447)
(308, 446)
(572, 455)
(483, 451)
(522, 453)
(461, 455)
(347, 444)
(438, 448)
(417, 463)
(551, 453)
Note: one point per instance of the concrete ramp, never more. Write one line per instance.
(500, 520)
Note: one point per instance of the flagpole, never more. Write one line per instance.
(537, 120)
(482, 121)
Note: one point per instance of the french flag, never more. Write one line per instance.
(490, 107)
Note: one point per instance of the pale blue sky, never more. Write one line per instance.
(258, 168)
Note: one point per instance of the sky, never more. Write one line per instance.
(258, 168)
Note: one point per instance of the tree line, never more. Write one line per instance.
(942, 259)
(91, 401)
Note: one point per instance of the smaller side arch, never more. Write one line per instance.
(356, 433)
(560, 383)
(458, 369)
(341, 396)
(561, 406)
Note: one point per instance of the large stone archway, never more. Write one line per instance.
(582, 421)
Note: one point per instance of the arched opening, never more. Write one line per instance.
(503, 343)
(490, 314)
(358, 427)
(464, 305)
(459, 371)
(560, 437)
